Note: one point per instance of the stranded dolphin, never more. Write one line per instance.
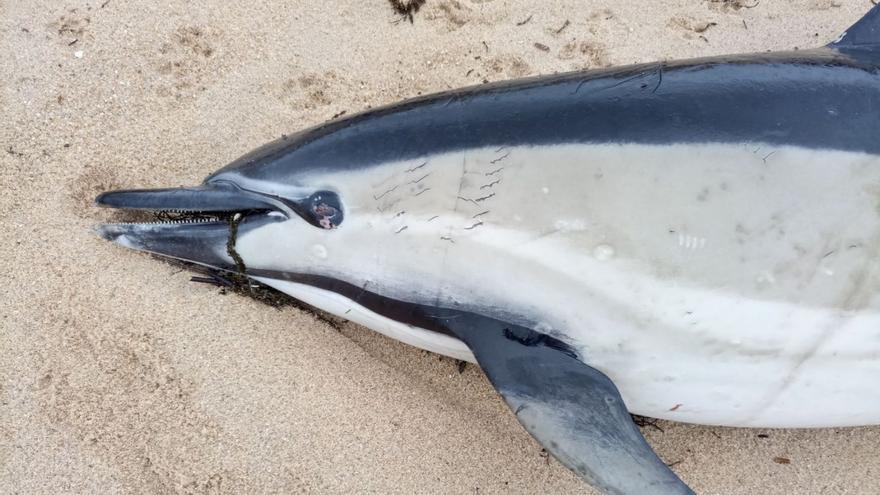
(696, 241)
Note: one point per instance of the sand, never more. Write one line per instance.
(119, 375)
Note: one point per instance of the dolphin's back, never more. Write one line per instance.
(816, 99)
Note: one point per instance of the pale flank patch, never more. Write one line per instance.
(717, 283)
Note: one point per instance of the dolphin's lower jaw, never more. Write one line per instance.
(198, 241)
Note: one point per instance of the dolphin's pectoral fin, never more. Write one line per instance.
(573, 410)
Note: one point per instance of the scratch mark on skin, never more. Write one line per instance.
(402, 229)
(487, 186)
(401, 212)
(480, 214)
(484, 198)
(472, 227)
(499, 149)
(385, 180)
(442, 317)
(416, 168)
(435, 217)
(362, 292)
(619, 83)
(388, 206)
(539, 237)
(857, 297)
(389, 191)
(423, 191)
(768, 156)
(455, 208)
(464, 172)
(466, 199)
(659, 81)
(500, 158)
(419, 179)
(494, 171)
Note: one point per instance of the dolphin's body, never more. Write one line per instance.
(702, 236)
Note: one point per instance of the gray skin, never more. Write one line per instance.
(825, 98)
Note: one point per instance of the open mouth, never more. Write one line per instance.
(198, 224)
(222, 199)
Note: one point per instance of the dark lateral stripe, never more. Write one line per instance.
(409, 313)
(447, 321)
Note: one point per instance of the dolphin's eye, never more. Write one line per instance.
(324, 209)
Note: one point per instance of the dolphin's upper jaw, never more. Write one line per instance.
(217, 197)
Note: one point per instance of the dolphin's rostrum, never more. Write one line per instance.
(696, 241)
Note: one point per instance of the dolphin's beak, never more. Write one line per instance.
(212, 216)
(214, 197)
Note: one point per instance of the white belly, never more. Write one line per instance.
(718, 284)
(346, 308)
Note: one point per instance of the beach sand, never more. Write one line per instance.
(120, 375)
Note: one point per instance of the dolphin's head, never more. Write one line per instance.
(368, 200)
(271, 188)
(318, 216)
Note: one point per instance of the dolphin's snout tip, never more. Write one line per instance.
(113, 199)
(108, 232)
(119, 234)
(103, 232)
(101, 199)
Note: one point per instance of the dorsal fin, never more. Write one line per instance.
(864, 34)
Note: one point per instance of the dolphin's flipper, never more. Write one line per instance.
(573, 410)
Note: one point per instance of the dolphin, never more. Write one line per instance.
(696, 241)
